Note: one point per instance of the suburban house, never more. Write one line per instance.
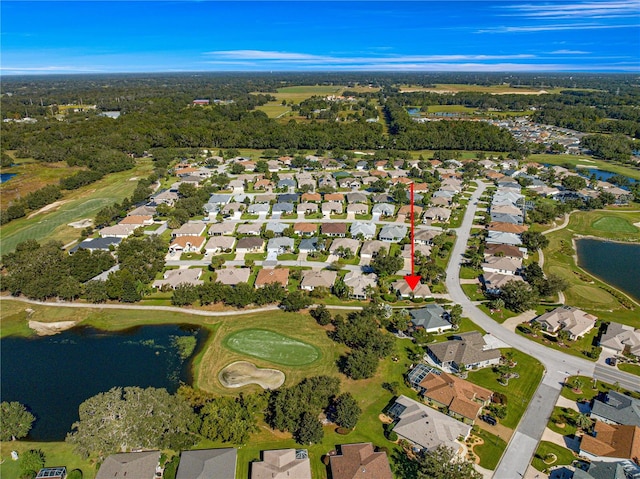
(311, 197)
(425, 427)
(346, 243)
(219, 244)
(224, 228)
(141, 465)
(334, 229)
(359, 461)
(424, 250)
(430, 318)
(436, 213)
(626, 469)
(280, 245)
(507, 227)
(249, 245)
(567, 318)
(233, 276)
(466, 349)
(357, 197)
(314, 278)
(282, 208)
(424, 236)
(251, 229)
(616, 408)
(358, 209)
(620, 338)
(144, 210)
(499, 237)
(208, 463)
(493, 282)
(360, 284)
(268, 276)
(402, 289)
(463, 400)
(305, 229)
(282, 464)
(137, 220)
(276, 227)
(117, 231)
(105, 243)
(502, 265)
(259, 209)
(334, 197)
(175, 277)
(288, 198)
(383, 209)
(332, 207)
(611, 443)
(166, 197)
(308, 245)
(307, 208)
(406, 210)
(187, 244)
(505, 250)
(189, 229)
(371, 248)
(393, 233)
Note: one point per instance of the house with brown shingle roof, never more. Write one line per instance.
(311, 197)
(507, 227)
(175, 277)
(249, 245)
(613, 442)
(334, 197)
(269, 276)
(130, 464)
(463, 400)
(137, 220)
(359, 461)
(334, 229)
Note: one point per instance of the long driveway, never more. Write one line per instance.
(558, 365)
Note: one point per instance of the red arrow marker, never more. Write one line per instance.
(412, 279)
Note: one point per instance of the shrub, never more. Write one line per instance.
(392, 436)
(343, 431)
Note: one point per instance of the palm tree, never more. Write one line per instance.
(584, 422)
(577, 384)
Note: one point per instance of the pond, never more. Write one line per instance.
(615, 263)
(4, 177)
(601, 175)
(53, 375)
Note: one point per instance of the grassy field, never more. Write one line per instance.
(491, 450)
(586, 162)
(76, 205)
(586, 291)
(630, 368)
(519, 391)
(493, 89)
(32, 175)
(273, 347)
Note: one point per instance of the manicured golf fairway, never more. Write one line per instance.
(272, 347)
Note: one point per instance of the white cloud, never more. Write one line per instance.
(606, 9)
(552, 27)
(51, 69)
(569, 52)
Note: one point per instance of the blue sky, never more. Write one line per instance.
(155, 36)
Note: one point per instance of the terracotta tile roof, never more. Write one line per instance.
(268, 276)
(359, 461)
(194, 241)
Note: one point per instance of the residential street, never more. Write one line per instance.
(557, 365)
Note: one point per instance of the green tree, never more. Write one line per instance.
(124, 418)
(96, 291)
(228, 419)
(295, 301)
(347, 411)
(455, 315)
(361, 364)
(15, 421)
(443, 463)
(31, 462)
(534, 240)
(518, 296)
(321, 314)
(386, 264)
(184, 295)
(309, 430)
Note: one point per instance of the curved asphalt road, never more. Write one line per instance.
(557, 365)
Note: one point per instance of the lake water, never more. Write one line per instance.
(6, 177)
(413, 111)
(600, 174)
(53, 375)
(615, 263)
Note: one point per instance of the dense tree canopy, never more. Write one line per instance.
(15, 421)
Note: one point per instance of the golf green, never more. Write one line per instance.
(271, 346)
(614, 224)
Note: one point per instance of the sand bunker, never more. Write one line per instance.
(241, 373)
(46, 208)
(82, 223)
(49, 329)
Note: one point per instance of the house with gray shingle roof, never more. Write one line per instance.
(280, 245)
(308, 245)
(383, 209)
(393, 233)
(468, 349)
(431, 318)
(208, 463)
(620, 337)
(616, 408)
(233, 276)
(277, 227)
(130, 464)
(259, 208)
(367, 230)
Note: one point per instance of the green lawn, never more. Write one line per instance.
(587, 161)
(491, 450)
(630, 368)
(519, 391)
(575, 348)
(614, 224)
(474, 292)
(561, 456)
(56, 454)
(563, 416)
